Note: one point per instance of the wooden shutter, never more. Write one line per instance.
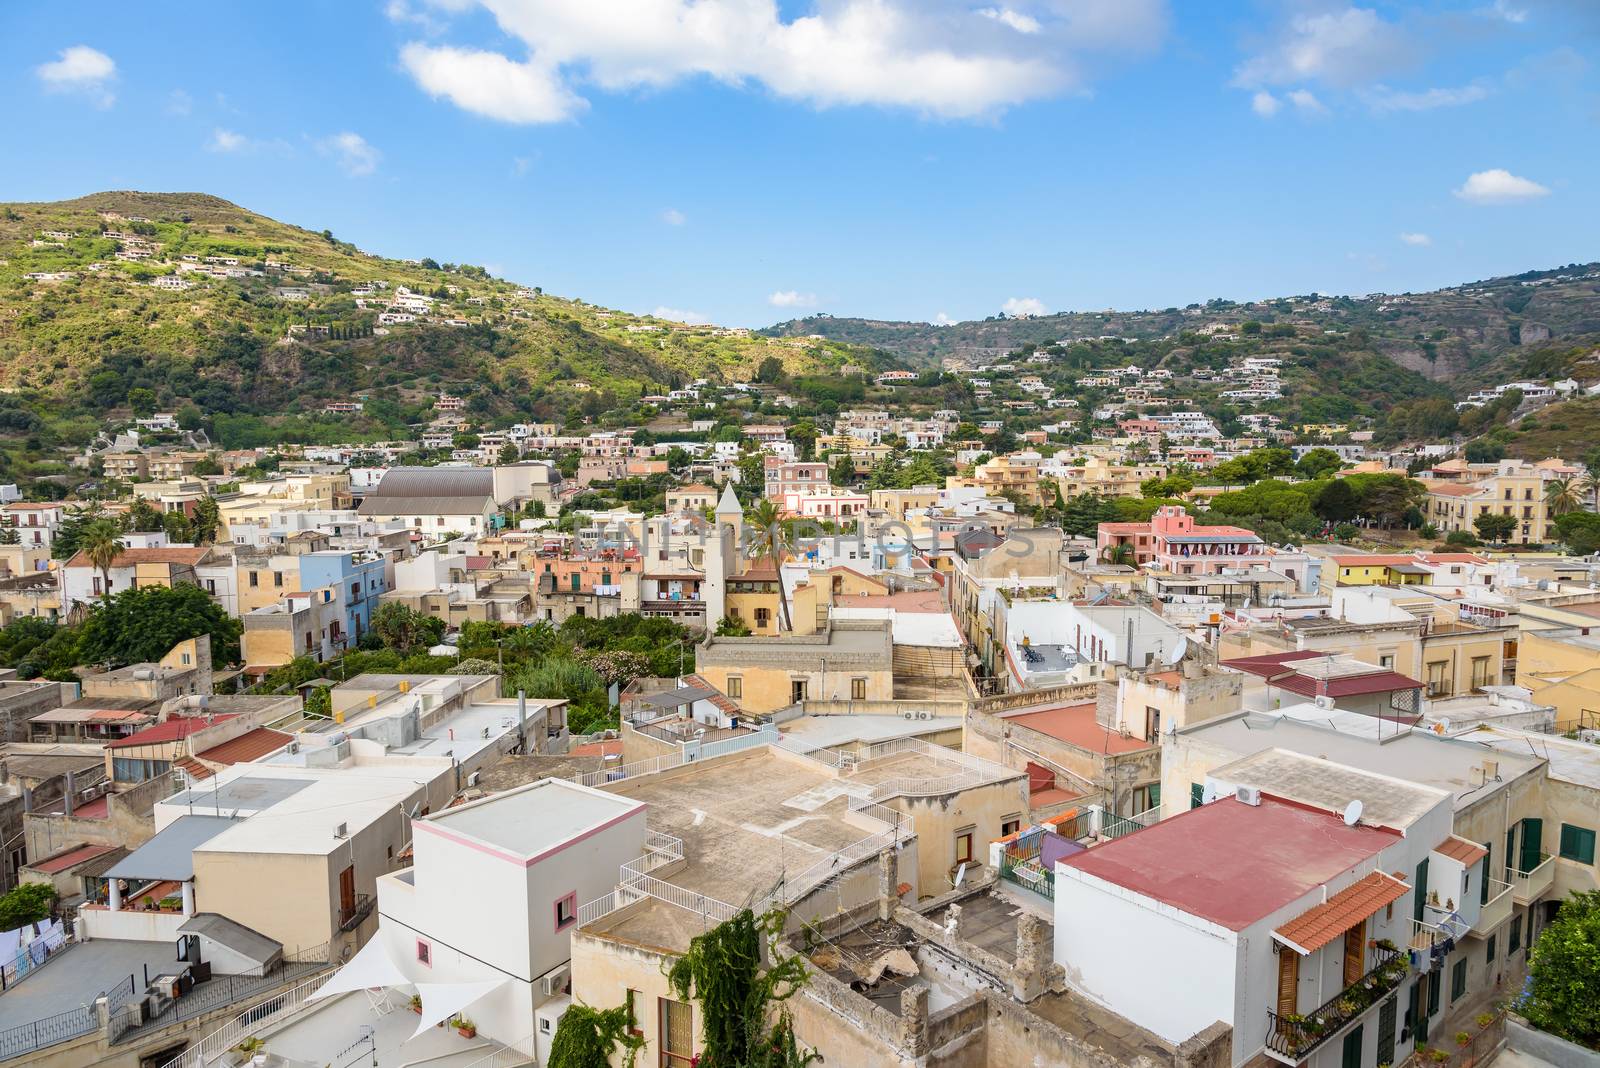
(1488, 866)
(1532, 835)
(1288, 981)
(1355, 953)
(1419, 891)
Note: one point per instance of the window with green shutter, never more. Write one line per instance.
(1352, 1050)
(1488, 866)
(1458, 980)
(1419, 891)
(1197, 794)
(1514, 943)
(1577, 843)
(1434, 983)
(1532, 842)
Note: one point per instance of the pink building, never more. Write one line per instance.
(1171, 542)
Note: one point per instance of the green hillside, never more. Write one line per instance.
(1465, 335)
(257, 357)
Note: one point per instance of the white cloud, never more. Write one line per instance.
(1021, 306)
(790, 298)
(1306, 102)
(227, 141)
(674, 217)
(1382, 98)
(355, 156)
(678, 315)
(1015, 19)
(1499, 186)
(81, 69)
(943, 319)
(1412, 238)
(1501, 9)
(1265, 104)
(1340, 47)
(490, 84)
(927, 55)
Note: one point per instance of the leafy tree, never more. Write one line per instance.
(770, 370)
(1280, 501)
(9, 536)
(142, 400)
(144, 517)
(1462, 538)
(1083, 513)
(1318, 464)
(319, 702)
(28, 903)
(143, 623)
(1564, 973)
(509, 453)
(1171, 486)
(843, 471)
(179, 530)
(1336, 502)
(1492, 526)
(1484, 452)
(1580, 532)
(731, 627)
(206, 521)
(722, 970)
(404, 629)
(1118, 555)
(586, 1036)
(69, 535)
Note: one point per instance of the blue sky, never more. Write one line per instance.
(745, 162)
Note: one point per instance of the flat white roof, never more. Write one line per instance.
(534, 819)
(305, 822)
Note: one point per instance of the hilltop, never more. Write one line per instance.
(1464, 335)
(188, 302)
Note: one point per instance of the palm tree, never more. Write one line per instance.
(101, 543)
(1562, 495)
(765, 519)
(1117, 555)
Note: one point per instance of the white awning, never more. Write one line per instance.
(370, 968)
(440, 1001)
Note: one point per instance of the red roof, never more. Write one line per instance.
(1279, 669)
(1232, 863)
(173, 730)
(247, 747)
(1321, 924)
(1076, 725)
(610, 747)
(72, 857)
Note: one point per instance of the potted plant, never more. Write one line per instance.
(416, 1004)
(465, 1027)
(1484, 1019)
(1462, 1038)
(1438, 1056)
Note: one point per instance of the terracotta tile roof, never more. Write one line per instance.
(247, 747)
(188, 557)
(1457, 848)
(193, 768)
(1318, 926)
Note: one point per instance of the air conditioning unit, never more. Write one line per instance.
(1248, 795)
(472, 780)
(555, 982)
(342, 831)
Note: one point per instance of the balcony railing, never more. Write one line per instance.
(1029, 874)
(1528, 886)
(1493, 912)
(1292, 1037)
(351, 915)
(1114, 826)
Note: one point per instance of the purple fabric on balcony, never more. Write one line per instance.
(1053, 848)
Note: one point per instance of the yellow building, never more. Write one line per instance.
(1000, 475)
(848, 661)
(1513, 488)
(1100, 476)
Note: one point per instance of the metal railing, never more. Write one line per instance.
(1533, 882)
(513, 1055)
(12, 972)
(237, 1029)
(1295, 1036)
(1114, 826)
(224, 990)
(1029, 874)
(63, 1026)
(351, 916)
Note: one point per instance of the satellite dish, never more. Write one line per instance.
(1179, 651)
(1352, 814)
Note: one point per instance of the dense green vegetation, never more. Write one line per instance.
(134, 626)
(1564, 973)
